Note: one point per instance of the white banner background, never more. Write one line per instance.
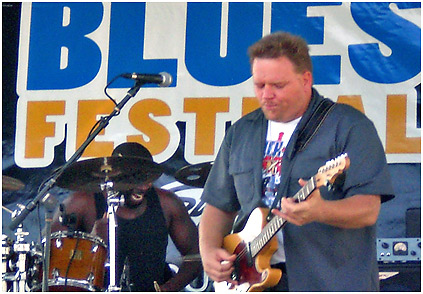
(165, 38)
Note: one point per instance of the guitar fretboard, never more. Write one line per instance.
(276, 223)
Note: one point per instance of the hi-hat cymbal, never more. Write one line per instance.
(125, 172)
(11, 184)
(194, 175)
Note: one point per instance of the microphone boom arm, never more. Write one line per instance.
(17, 220)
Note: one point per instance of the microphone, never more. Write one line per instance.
(163, 79)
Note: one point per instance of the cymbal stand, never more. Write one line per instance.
(113, 202)
(5, 254)
(22, 248)
(49, 202)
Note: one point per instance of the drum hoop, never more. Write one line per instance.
(59, 281)
(79, 235)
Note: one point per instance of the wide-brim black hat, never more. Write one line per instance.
(130, 149)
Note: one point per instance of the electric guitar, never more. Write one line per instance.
(256, 243)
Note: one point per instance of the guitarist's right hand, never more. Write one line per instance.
(218, 264)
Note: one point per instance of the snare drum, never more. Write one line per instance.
(77, 262)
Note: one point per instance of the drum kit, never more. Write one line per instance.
(77, 261)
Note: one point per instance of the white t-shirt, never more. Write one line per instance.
(278, 136)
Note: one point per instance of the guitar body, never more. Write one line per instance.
(254, 274)
(256, 243)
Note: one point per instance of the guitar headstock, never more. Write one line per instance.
(332, 169)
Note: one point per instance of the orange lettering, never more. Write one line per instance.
(40, 129)
(249, 104)
(88, 110)
(139, 116)
(396, 139)
(352, 100)
(205, 126)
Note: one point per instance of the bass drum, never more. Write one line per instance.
(77, 263)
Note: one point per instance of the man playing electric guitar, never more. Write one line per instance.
(255, 244)
(328, 242)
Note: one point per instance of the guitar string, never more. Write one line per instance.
(300, 196)
(313, 183)
(243, 252)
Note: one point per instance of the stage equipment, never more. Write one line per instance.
(45, 198)
(11, 184)
(399, 261)
(194, 175)
(126, 173)
(77, 262)
(398, 250)
(163, 79)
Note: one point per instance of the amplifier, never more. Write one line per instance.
(398, 250)
(399, 264)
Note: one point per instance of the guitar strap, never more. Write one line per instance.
(313, 124)
(307, 133)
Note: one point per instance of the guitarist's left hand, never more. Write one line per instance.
(303, 212)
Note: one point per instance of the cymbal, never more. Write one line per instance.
(125, 172)
(11, 184)
(194, 175)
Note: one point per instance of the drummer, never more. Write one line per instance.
(148, 216)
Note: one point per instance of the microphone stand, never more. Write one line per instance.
(50, 203)
(104, 121)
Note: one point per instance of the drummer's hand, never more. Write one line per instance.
(101, 227)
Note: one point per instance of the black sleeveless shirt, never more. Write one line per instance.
(142, 243)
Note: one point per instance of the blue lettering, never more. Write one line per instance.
(50, 34)
(326, 69)
(292, 17)
(202, 53)
(400, 35)
(126, 48)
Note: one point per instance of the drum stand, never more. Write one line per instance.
(5, 255)
(22, 248)
(113, 202)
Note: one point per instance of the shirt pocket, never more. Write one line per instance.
(244, 182)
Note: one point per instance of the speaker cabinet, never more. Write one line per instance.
(399, 264)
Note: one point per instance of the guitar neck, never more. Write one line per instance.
(276, 223)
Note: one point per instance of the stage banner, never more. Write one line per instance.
(366, 54)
